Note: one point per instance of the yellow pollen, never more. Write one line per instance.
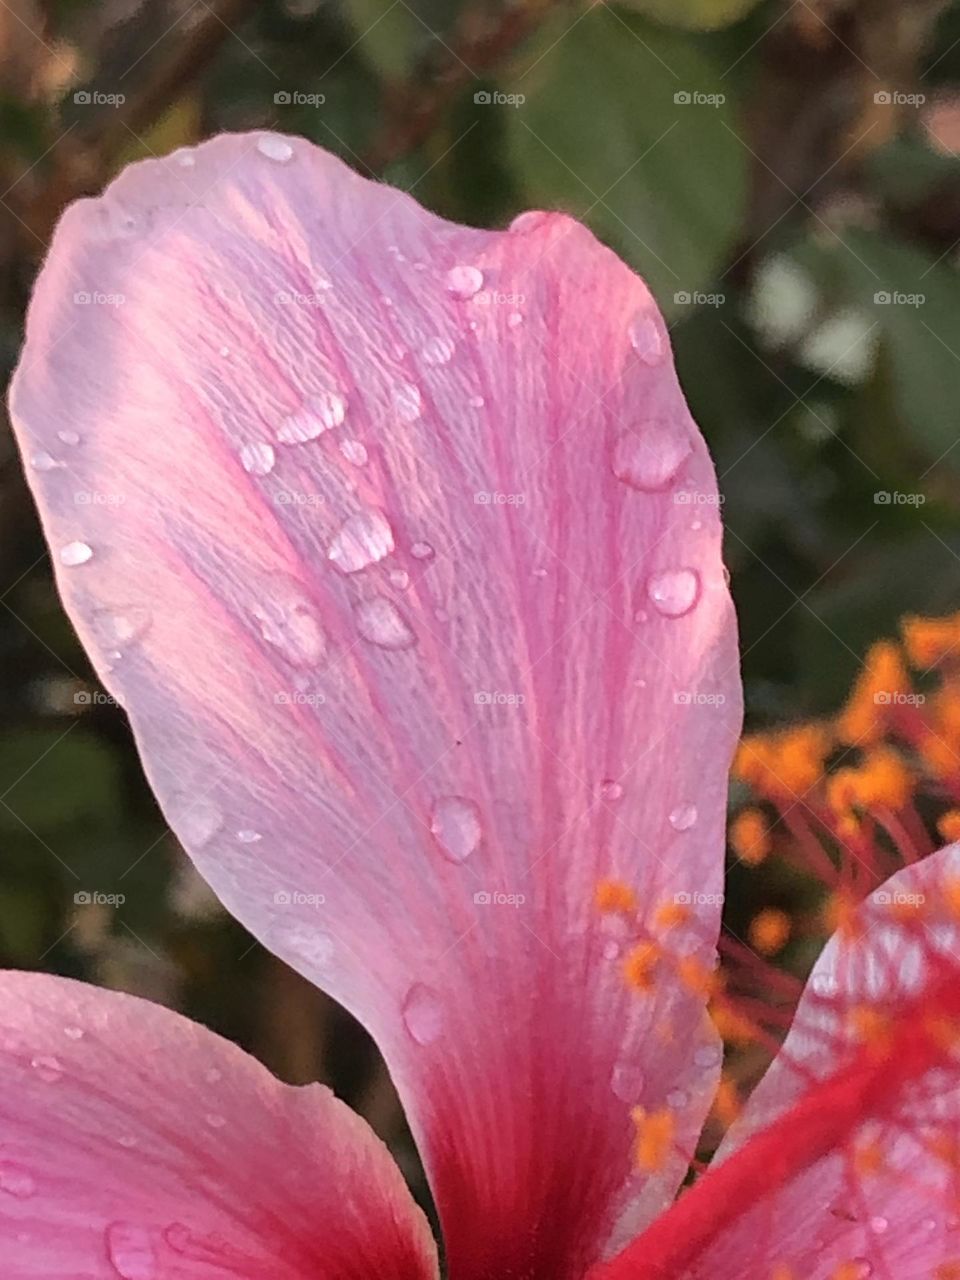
(750, 837)
(654, 1139)
(862, 721)
(641, 964)
(769, 931)
(614, 895)
(786, 764)
(931, 640)
(881, 781)
(949, 825)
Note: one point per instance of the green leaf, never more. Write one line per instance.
(630, 126)
(695, 15)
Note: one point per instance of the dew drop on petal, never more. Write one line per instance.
(380, 622)
(43, 461)
(195, 819)
(464, 281)
(319, 412)
(879, 1225)
(73, 1032)
(400, 579)
(69, 437)
(407, 402)
(437, 351)
(124, 625)
(476, 402)
(354, 451)
(308, 942)
(288, 623)
(514, 319)
(708, 1055)
(275, 148)
(213, 1075)
(422, 1014)
(47, 1068)
(74, 553)
(646, 339)
(16, 1182)
(683, 817)
(363, 539)
(610, 790)
(674, 592)
(627, 1081)
(421, 551)
(677, 1099)
(215, 1121)
(648, 457)
(131, 1251)
(257, 458)
(455, 824)
(248, 836)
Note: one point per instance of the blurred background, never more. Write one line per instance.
(786, 177)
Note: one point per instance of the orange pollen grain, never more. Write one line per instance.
(783, 764)
(641, 964)
(949, 825)
(696, 977)
(871, 1027)
(727, 1104)
(770, 931)
(869, 1159)
(654, 1139)
(614, 895)
(670, 915)
(863, 720)
(929, 641)
(750, 837)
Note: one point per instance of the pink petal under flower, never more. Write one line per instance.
(849, 1148)
(136, 1145)
(401, 549)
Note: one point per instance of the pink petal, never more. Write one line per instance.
(867, 1189)
(136, 1144)
(413, 591)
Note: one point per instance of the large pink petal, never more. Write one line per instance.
(846, 1162)
(407, 688)
(136, 1144)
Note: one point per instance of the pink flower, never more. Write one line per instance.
(399, 545)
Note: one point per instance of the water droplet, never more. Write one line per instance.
(215, 1121)
(928, 1224)
(185, 159)
(257, 458)
(73, 1032)
(879, 1225)
(275, 148)
(213, 1075)
(514, 319)
(319, 412)
(400, 579)
(113, 627)
(708, 1055)
(131, 1251)
(696, 524)
(437, 351)
(248, 836)
(531, 220)
(422, 1014)
(127, 1140)
(407, 402)
(309, 942)
(648, 457)
(464, 281)
(48, 1068)
(455, 823)
(611, 950)
(16, 1182)
(363, 539)
(646, 339)
(43, 461)
(287, 621)
(421, 551)
(354, 451)
(683, 817)
(69, 437)
(674, 592)
(75, 553)
(610, 790)
(196, 820)
(677, 1099)
(224, 351)
(476, 402)
(380, 622)
(627, 1081)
